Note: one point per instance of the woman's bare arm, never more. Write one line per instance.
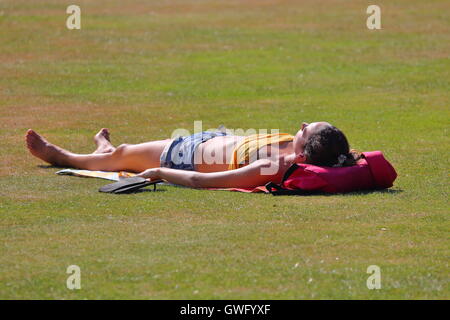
(249, 176)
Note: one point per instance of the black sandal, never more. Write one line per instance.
(128, 185)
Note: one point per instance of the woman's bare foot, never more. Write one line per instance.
(102, 142)
(42, 149)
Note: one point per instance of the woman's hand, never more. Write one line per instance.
(151, 174)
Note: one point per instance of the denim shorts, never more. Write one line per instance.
(180, 153)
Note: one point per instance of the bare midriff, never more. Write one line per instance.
(216, 153)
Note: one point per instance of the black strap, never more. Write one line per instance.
(278, 190)
(289, 171)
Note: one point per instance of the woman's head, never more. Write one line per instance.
(322, 144)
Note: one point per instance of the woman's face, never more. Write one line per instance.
(306, 130)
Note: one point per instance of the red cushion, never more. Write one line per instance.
(371, 172)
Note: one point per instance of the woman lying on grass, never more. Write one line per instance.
(202, 160)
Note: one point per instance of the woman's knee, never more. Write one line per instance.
(120, 153)
(121, 149)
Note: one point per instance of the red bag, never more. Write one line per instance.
(373, 171)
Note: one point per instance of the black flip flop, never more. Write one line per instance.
(127, 185)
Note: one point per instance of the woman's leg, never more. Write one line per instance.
(135, 158)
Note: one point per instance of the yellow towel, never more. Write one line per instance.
(249, 145)
(114, 176)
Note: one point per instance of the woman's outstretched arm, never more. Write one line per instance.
(256, 174)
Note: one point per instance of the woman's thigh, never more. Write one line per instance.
(139, 157)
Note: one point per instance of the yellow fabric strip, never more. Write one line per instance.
(246, 149)
(114, 176)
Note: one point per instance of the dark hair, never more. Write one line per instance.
(329, 147)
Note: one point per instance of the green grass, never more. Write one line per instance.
(148, 67)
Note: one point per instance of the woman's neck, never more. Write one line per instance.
(290, 158)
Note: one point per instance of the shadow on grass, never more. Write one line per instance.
(137, 191)
(149, 189)
(354, 193)
(303, 193)
(142, 190)
(383, 191)
(49, 166)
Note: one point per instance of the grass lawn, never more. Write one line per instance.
(144, 68)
